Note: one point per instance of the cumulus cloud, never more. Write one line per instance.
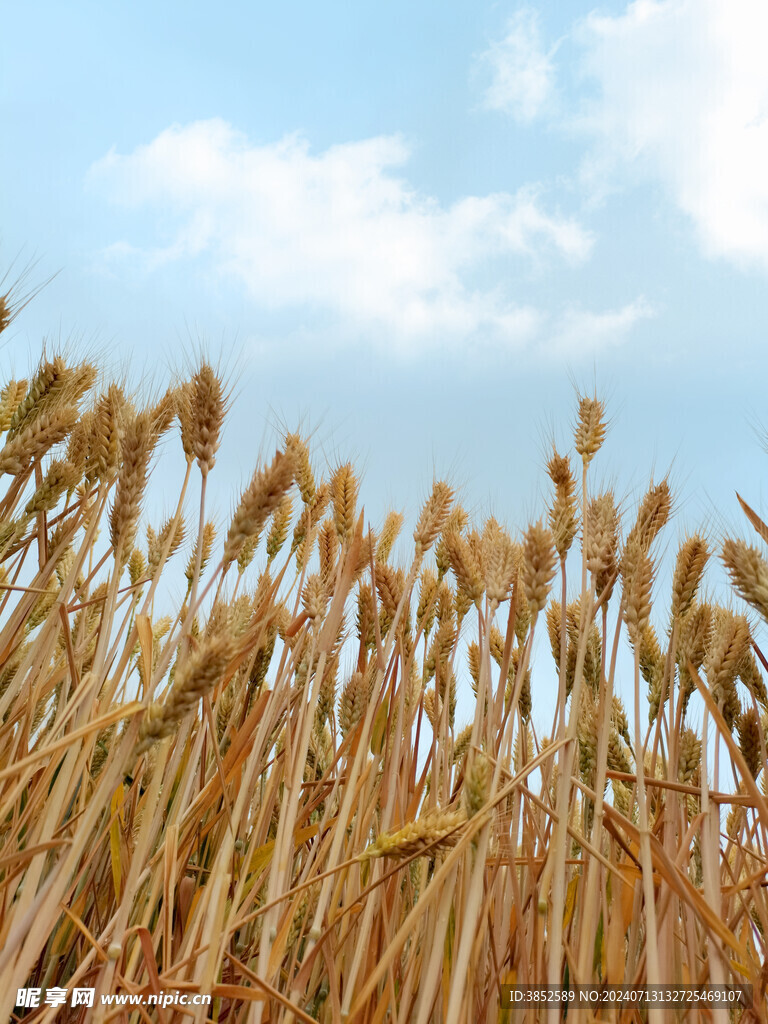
(683, 99)
(521, 71)
(340, 230)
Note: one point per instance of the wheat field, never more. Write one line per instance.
(233, 762)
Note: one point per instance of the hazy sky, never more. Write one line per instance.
(411, 226)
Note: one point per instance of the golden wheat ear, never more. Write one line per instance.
(262, 496)
(18, 455)
(539, 562)
(590, 428)
(435, 831)
(749, 573)
(344, 489)
(195, 677)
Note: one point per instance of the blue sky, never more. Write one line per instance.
(411, 227)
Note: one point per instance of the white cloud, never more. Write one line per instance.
(341, 230)
(683, 99)
(582, 332)
(522, 72)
